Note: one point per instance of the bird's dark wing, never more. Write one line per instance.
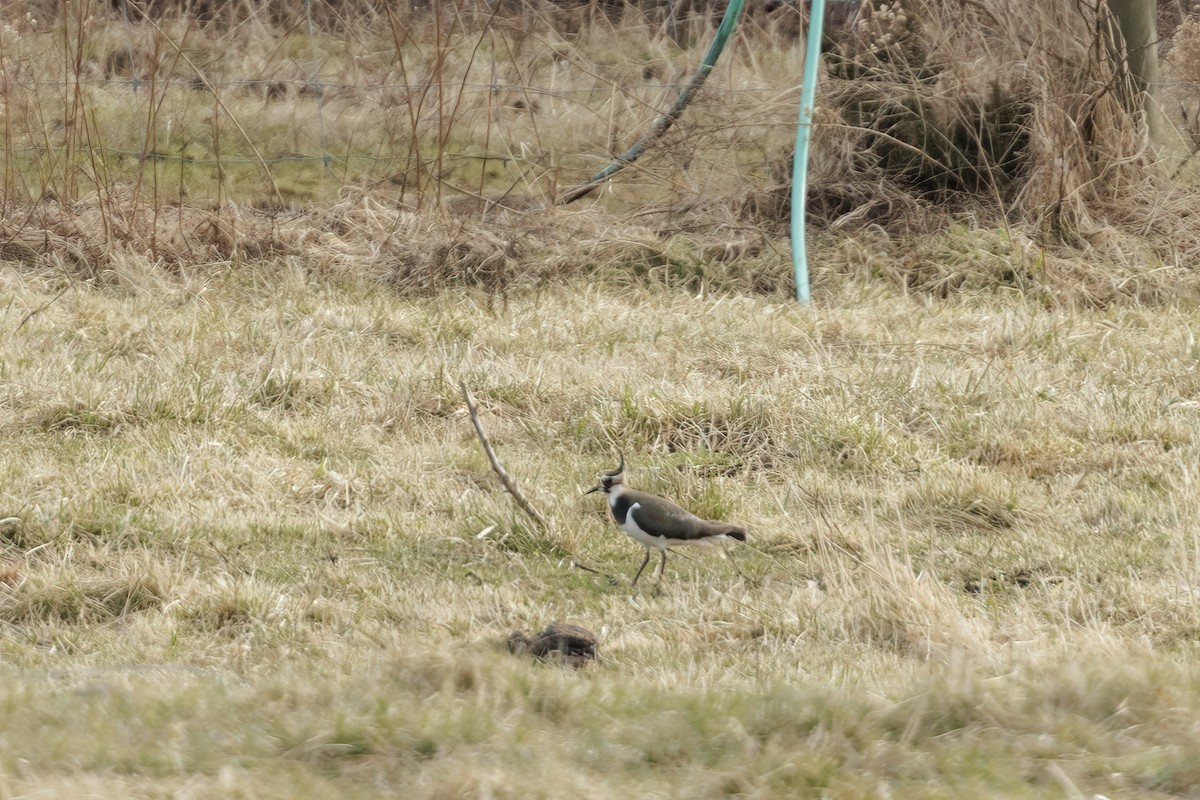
(661, 517)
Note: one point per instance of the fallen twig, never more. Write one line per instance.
(509, 484)
(41, 308)
(577, 565)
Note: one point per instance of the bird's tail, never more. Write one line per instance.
(729, 531)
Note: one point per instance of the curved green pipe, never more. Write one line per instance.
(808, 90)
(664, 122)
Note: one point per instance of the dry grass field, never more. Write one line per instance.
(250, 545)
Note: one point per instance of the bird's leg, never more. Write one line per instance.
(662, 567)
(645, 561)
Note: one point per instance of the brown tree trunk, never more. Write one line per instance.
(1137, 22)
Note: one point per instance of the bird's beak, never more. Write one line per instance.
(595, 488)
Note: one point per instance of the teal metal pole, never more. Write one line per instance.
(808, 90)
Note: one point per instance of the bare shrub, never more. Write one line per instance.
(1183, 60)
(939, 103)
(1004, 115)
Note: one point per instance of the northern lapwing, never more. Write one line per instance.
(658, 524)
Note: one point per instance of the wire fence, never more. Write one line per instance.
(288, 113)
(479, 104)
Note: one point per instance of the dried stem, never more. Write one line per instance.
(39, 310)
(509, 484)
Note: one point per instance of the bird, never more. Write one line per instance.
(656, 523)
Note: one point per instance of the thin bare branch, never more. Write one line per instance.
(509, 484)
(42, 307)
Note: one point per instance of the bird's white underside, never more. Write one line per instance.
(652, 542)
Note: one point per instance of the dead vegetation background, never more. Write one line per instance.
(250, 546)
(379, 140)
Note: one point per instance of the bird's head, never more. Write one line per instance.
(610, 479)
